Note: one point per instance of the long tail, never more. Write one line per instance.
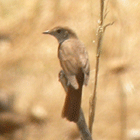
(72, 105)
(73, 101)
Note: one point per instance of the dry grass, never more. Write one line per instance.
(29, 65)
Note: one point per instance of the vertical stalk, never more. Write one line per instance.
(93, 98)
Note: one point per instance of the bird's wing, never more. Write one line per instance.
(85, 65)
(69, 57)
(69, 62)
(86, 70)
(73, 56)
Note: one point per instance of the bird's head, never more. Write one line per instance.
(61, 33)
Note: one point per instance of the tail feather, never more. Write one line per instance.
(72, 104)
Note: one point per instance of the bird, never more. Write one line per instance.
(75, 64)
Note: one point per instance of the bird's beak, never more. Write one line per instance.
(47, 32)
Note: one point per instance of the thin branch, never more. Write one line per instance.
(109, 24)
(101, 30)
(102, 12)
(82, 126)
(106, 9)
(106, 13)
(99, 43)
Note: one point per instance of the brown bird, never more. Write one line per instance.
(75, 64)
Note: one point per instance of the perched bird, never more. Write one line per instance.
(75, 64)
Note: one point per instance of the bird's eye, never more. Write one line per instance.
(58, 31)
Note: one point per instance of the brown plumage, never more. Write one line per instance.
(75, 64)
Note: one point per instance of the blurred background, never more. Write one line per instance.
(31, 97)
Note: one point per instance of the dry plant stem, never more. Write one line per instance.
(92, 102)
(82, 126)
